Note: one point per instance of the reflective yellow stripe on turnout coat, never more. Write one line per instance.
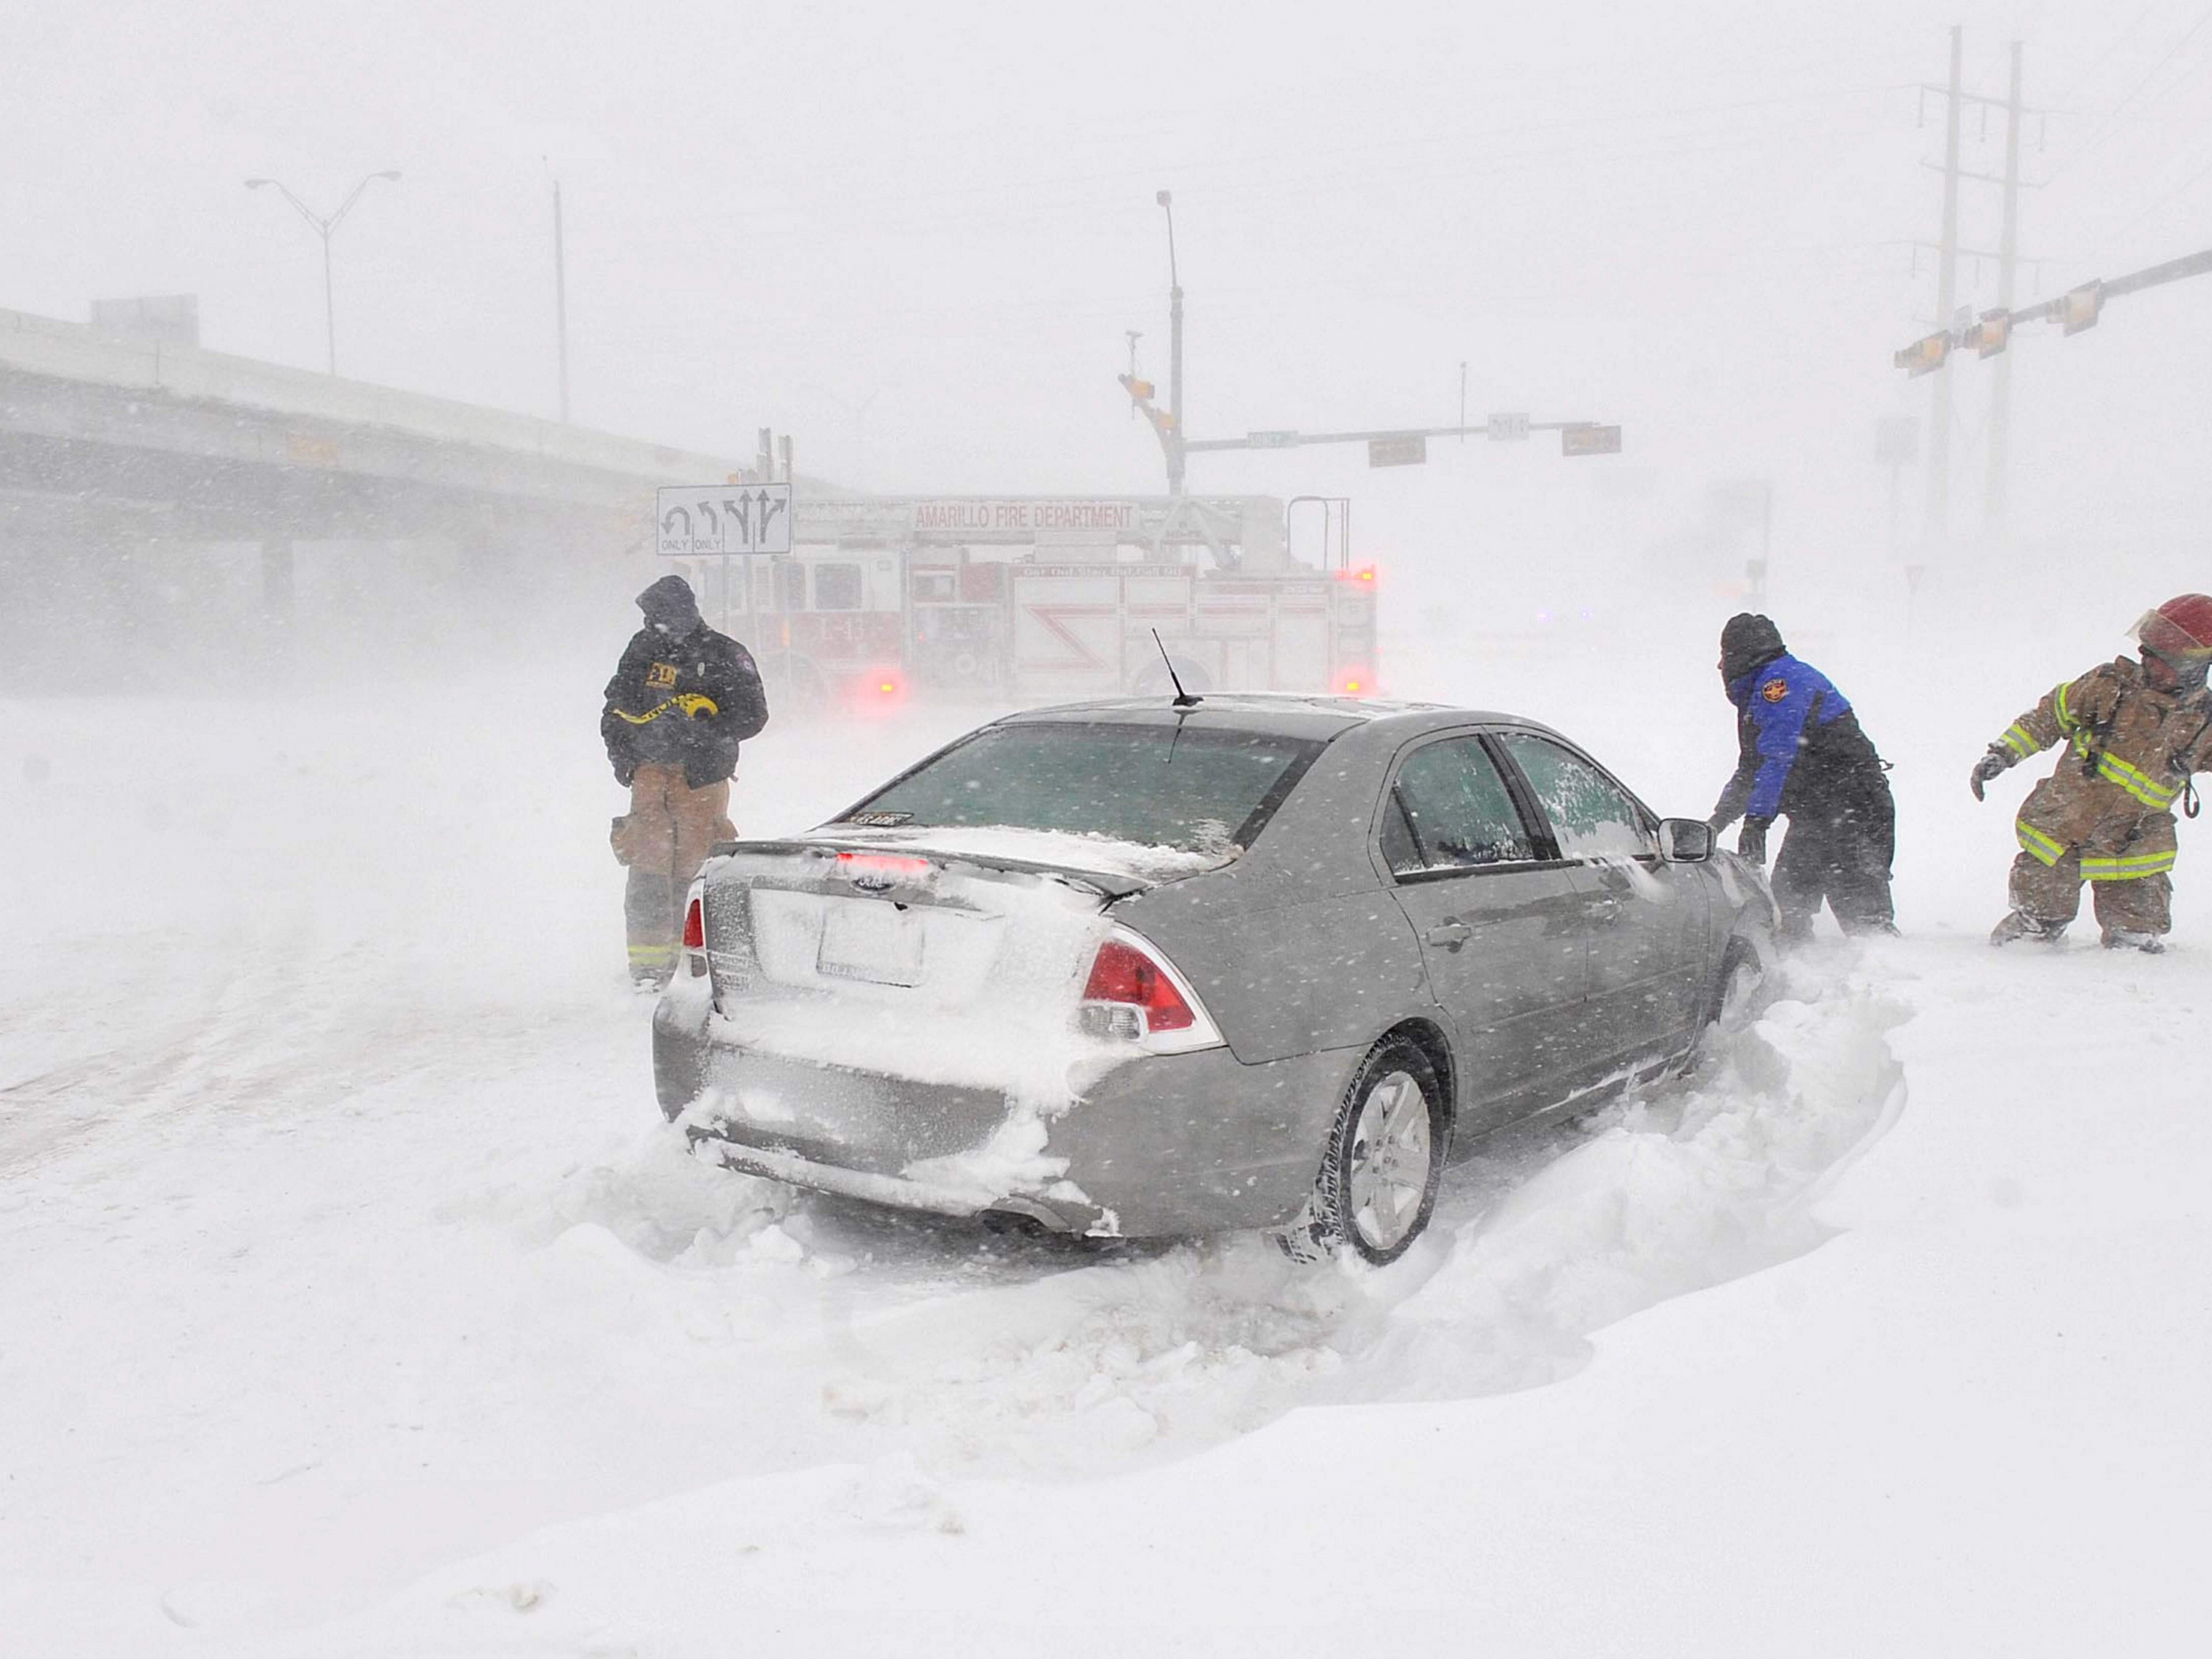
(2130, 750)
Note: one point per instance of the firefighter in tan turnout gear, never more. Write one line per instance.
(683, 698)
(2134, 732)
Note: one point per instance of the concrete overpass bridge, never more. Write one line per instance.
(130, 469)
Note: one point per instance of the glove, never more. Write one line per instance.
(1996, 762)
(1752, 843)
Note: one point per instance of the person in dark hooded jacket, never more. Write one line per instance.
(1801, 755)
(682, 699)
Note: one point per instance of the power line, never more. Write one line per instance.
(1302, 187)
(1296, 170)
(2113, 120)
(2164, 198)
(2074, 91)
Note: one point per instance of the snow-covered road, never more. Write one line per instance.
(354, 1301)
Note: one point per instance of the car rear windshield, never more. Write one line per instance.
(1201, 791)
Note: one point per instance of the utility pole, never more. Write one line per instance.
(1956, 326)
(1947, 271)
(1167, 423)
(1387, 447)
(560, 299)
(1993, 497)
(1173, 435)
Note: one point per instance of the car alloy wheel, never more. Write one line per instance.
(1388, 1176)
(1385, 1156)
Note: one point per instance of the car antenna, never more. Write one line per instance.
(1182, 698)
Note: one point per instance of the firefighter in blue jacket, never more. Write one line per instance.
(1802, 755)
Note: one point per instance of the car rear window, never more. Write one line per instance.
(1201, 791)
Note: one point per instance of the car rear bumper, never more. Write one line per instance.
(1160, 1146)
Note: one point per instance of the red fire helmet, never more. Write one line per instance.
(2178, 629)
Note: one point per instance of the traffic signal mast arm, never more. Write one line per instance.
(2076, 309)
(1301, 440)
(1387, 446)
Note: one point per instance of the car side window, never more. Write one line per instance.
(1400, 850)
(1457, 812)
(1591, 817)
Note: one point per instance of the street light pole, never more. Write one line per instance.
(330, 310)
(561, 298)
(325, 227)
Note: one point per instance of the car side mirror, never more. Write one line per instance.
(1685, 840)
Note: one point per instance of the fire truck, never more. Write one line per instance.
(1028, 598)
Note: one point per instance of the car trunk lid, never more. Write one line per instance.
(929, 995)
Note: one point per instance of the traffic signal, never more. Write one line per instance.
(1588, 437)
(2082, 306)
(1138, 388)
(1925, 356)
(1991, 336)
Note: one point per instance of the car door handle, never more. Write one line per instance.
(1451, 932)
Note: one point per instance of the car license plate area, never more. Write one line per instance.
(870, 940)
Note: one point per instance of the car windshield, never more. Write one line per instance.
(1159, 785)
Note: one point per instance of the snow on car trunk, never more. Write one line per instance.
(936, 969)
(905, 1006)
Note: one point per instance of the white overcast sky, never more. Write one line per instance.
(914, 234)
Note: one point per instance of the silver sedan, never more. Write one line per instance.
(1127, 970)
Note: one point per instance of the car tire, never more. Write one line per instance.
(1385, 1157)
(1743, 970)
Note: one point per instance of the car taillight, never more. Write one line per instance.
(1125, 976)
(695, 933)
(1355, 682)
